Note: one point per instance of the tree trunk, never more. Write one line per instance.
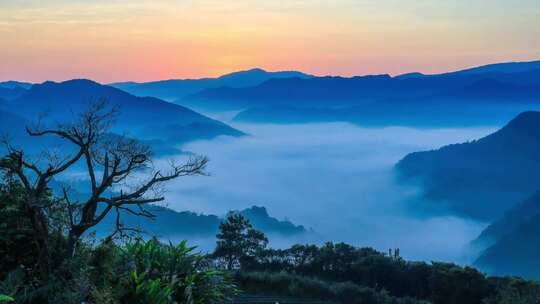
(73, 239)
(41, 235)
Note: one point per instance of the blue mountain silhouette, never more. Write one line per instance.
(144, 118)
(482, 178)
(178, 88)
(11, 92)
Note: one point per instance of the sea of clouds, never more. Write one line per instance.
(336, 178)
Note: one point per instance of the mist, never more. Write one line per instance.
(336, 178)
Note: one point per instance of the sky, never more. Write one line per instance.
(142, 40)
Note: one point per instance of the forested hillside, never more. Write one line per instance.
(483, 178)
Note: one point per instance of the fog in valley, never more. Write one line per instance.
(335, 178)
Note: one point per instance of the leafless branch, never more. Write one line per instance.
(110, 161)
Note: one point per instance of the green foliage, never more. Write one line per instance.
(15, 230)
(6, 299)
(237, 242)
(135, 272)
(183, 276)
(514, 291)
(439, 283)
(291, 285)
(450, 283)
(147, 290)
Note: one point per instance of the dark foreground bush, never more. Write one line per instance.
(290, 285)
(135, 272)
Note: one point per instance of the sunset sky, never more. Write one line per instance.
(141, 40)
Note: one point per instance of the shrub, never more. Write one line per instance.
(165, 271)
(6, 299)
(290, 285)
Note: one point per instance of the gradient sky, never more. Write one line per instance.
(116, 40)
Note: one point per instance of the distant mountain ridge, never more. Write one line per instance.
(172, 224)
(482, 178)
(146, 118)
(174, 89)
(293, 91)
(13, 84)
(504, 67)
(358, 87)
(486, 95)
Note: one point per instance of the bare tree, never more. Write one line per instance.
(120, 172)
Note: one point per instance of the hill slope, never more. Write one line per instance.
(516, 253)
(145, 118)
(510, 245)
(510, 221)
(11, 93)
(13, 84)
(483, 178)
(505, 67)
(178, 88)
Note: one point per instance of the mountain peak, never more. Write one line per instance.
(11, 84)
(255, 73)
(74, 90)
(410, 75)
(62, 99)
(256, 211)
(256, 70)
(78, 81)
(528, 122)
(503, 67)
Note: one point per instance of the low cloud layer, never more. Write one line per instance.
(335, 178)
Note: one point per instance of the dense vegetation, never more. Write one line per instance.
(138, 271)
(346, 274)
(377, 276)
(48, 255)
(130, 271)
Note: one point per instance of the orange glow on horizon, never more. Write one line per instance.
(144, 40)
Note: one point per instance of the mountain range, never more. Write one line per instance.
(486, 95)
(494, 179)
(383, 114)
(178, 88)
(170, 224)
(145, 118)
